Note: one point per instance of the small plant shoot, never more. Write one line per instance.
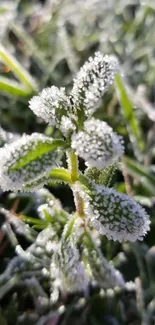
(67, 249)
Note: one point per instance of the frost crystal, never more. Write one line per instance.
(115, 215)
(26, 161)
(51, 104)
(93, 79)
(97, 144)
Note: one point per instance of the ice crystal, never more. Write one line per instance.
(51, 104)
(97, 144)
(115, 215)
(93, 79)
(26, 160)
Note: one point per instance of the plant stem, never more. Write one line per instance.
(79, 204)
(73, 165)
(60, 174)
(73, 168)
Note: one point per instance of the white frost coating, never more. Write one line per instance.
(101, 271)
(51, 104)
(97, 144)
(115, 215)
(67, 126)
(67, 269)
(93, 79)
(30, 173)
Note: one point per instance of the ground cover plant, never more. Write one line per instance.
(77, 162)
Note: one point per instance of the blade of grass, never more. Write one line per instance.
(128, 112)
(142, 173)
(29, 43)
(12, 87)
(17, 69)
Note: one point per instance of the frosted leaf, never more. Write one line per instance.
(100, 271)
(53, 213)
(97, 144)
(38, 183)
(51, 104)
(26, 161)
(113, 214)
(39, 253)
(47, 242)
(74, 228)
(102, 177)
(47, 210)
(93, 79)
(20, 227)
(67, 269)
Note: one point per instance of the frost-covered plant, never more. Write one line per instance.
(68, 249)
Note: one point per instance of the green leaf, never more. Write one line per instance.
(35, 221)
(42, 147)
(141, 172)
(128, 112)
(113, 214)
(26, 163)
(53, 213)
(98, 268)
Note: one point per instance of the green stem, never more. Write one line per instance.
(73, 168)
(70, 226)
(73, 165)
(60, 174)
